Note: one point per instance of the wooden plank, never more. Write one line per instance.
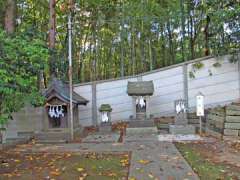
(164, 120)
(163, 126)
(231, 132)
(232, 112)
(235, 119)
(231, 138)
(192, 115)
(219, 125)
(216, 118)
(232, 125)
(213, 133)
(233, 107)
(218, 111)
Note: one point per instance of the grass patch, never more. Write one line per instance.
(205, 168)
(93, 166)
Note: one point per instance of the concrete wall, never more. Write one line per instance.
(27, 120)
(220, 85)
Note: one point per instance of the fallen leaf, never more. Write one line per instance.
(55, 173)
(144, 161)
(150, 175)
(132, 178)
(17, 161)
(80, 169)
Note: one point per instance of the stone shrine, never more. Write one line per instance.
(181, 125)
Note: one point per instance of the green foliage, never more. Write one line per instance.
(217, 64)
(21, 59)
(191, 74)
(197, 65)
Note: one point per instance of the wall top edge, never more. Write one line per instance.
(149, 72)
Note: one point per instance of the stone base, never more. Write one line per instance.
(105, 127)
(179, 138)
(182, 129)
(141, 123)
(141, 130)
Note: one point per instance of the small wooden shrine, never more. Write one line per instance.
(57, 107)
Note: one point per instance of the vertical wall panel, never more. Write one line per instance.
(168, 86)
(220, 85)
(85, 112)
(115, 94)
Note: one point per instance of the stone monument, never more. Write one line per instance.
(181, 125)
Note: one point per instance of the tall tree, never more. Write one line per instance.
(10, 16)
(52, 35)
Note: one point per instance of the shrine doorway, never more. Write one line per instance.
(57, 116)
(141, 107)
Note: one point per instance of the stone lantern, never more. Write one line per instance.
(105, 116)
(105, 110)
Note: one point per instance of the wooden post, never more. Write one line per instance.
(200, 125)
(185, 84)
(239, 75)
(70, 73)
(94, 104)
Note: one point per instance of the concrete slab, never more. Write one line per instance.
(176, 138)
(141, 130)
(102, 138)
(182, 129)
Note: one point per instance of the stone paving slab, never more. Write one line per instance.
(100, 138)
(179, 138)
(150, 158)
(143, 137)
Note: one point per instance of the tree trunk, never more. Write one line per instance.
(183, 28)
(170, 41)
(122, 52)
(10, 16)
(150, 54)
(206, 32)
(52, 24)
(52, 33)
(192, 41)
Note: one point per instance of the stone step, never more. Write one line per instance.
(48, 141)
(141, 130)
(52, 136)
(28, 134)
(141, 116)
(182, 129)
(141, 123)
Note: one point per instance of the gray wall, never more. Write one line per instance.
(222, 87)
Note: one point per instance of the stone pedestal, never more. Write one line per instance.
(182, 129)
(105, 127)
(181, 125)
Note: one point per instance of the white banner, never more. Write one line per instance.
(200, 105)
